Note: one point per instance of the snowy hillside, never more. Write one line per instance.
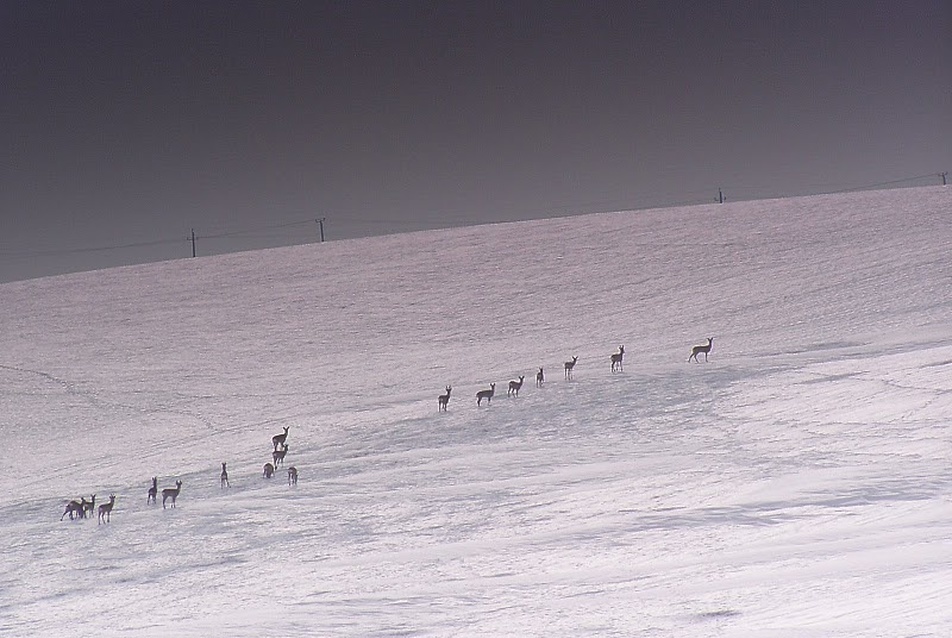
(795, 485)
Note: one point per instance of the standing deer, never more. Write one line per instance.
(171, 493)
(706, 348)
(75, 507)
(540, 378)
(89, 507)
(268, 470)
(153, 491)
(569, 365)
(444, 399)
(514, 386)
(279, 439)
(292, 475)
(278, 456)
(224, 476)
(486, 394)
(617, 358)
(105, 510)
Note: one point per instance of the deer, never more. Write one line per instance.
(89, 507)
(268, 470)
(292, 475)
(514, 386)
(444, 399)
(75, 507)
(224, 476)
(706, 348)
(105, 510)
(569, 365)
(153, 491)
(540, 378)
(617, 358)
(486, 394)
(279, 439)
(171, 493)
(278, 455)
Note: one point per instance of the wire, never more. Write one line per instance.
(427, 221)
(89, 249)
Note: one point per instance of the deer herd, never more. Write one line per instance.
(82, 508)
(617, 365)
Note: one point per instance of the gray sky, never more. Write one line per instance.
(128, 123)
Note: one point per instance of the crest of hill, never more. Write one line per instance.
(764, 276)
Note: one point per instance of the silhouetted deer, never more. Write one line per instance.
(75, 507)
(224, 476)
(292, 475)
(617, 359)
(278, 456)
(444, 399)
(89, 507)
(153, 491)
(486, 394)
(569, 366)
(279, 439)
(540, 378)
(706, 348)
(171, 493)
(105, 510)
(514, 386)
(268, 470)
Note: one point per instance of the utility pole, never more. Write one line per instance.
(320, 222)
(943, 175)
(193, 242)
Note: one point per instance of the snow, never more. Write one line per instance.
(795, 485)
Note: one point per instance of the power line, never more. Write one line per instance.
(246, 231)
(881, 184)
(429, 220)
(89, 249)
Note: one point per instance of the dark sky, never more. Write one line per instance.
(128, 123)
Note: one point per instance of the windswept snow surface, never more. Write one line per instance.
(797, 485)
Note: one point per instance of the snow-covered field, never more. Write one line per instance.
(796, 485)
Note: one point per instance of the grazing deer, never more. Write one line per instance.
(89, 507)
(105, 510)
(224, 476)
(292, 475)
(540, 378)
(278, 456)
(153, 491)
(75, 507)
(569, 365)
(268, 470)
(444, 399)
(171, 493)
(486, 394)
(279, 439)
(617, 359)
(706, 348)
(514, 386)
